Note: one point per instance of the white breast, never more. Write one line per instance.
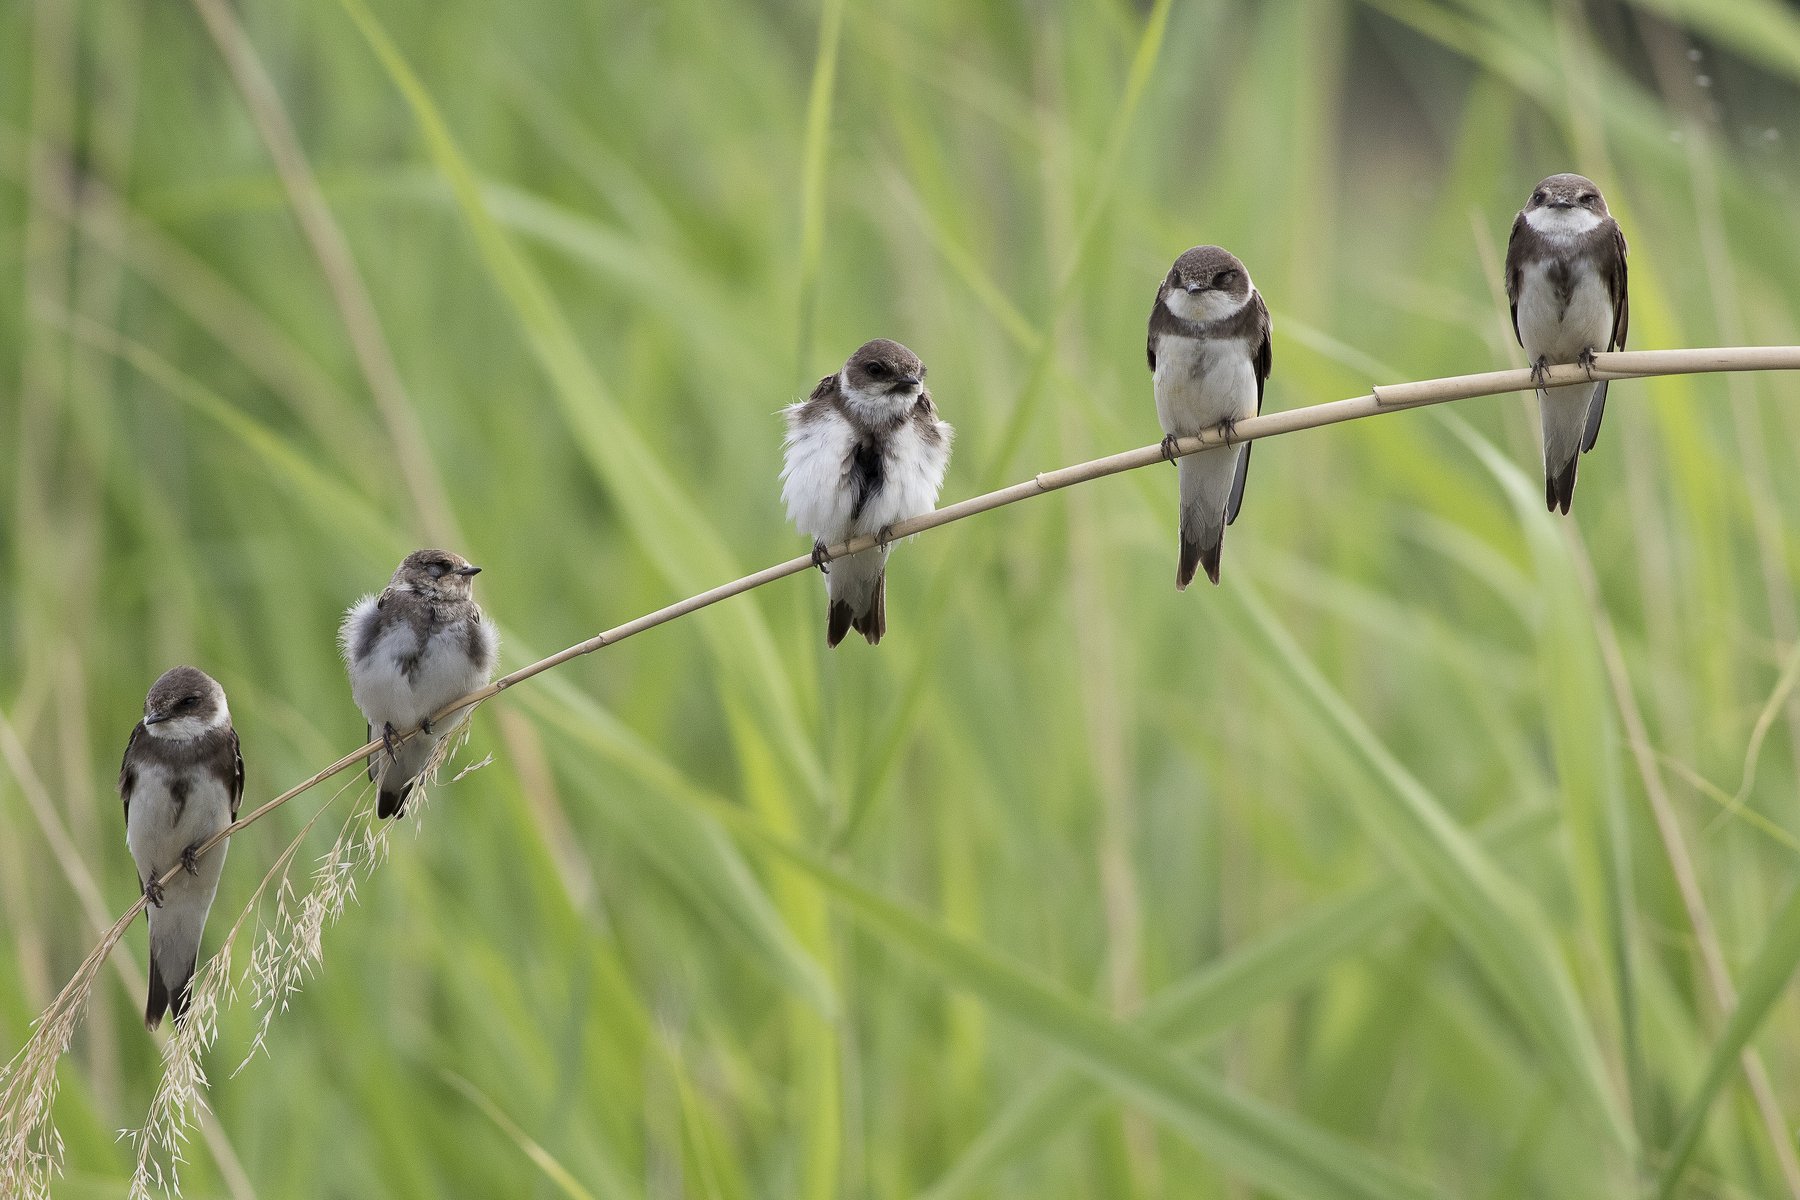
(812, 475)
(912, 472)
(387, 693)
(1201, 381)
(156, 832)
(1550, 329)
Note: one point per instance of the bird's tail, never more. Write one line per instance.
(1206, 486)
(165, 999)
(1571, 421)
(857, 587)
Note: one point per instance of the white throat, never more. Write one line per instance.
(1562, 222)
(1204, 307)
(877, 406)
(184, 729)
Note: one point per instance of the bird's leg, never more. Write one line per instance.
(425, 726)
(820, 550)
(1540, 371)
(1228, 429)
(1168, 448)
(190, 859)
(1586, 360)
(884, 535)
(153, 891)
(388, 741)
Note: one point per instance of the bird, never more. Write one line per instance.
(182, 779)
(864, 451)
(1565, 279)
(1210, 357)
(410, 651)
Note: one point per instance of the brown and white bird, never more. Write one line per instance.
(865, 450)
(411, 650)
(1565, 277)
(1209, 359)
(182, 780)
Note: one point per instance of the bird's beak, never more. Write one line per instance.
(1192, 288)
(155, 718)
(909, 381)
(471, 569)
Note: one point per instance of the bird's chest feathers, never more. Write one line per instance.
(893, 476)
(172, 809)
(416, 668)
(1201, 381)
(1563, 308)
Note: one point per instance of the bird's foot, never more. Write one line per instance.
(153, 892)
(1585, 360)
(425, 727)
(190, 859)
(820, 550)
(1228, 430)
(884, 535)
(1540, 372)
(389, 741)
(1168, 448)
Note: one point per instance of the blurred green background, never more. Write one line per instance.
(1423, 858)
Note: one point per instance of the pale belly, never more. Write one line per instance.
(1559, 332)
(1201, 383)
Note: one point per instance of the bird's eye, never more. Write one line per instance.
(1538, 197)
(1223, 279)
(189, 701)
(1585, 198)
(877, 369)
(438, 568)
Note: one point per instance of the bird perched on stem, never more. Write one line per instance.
(1565, 277)
(864, 451)
(411, 650)
(182, 780)
(1209, 359)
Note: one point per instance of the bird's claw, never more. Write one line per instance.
(1540, 372)
(1585, 360)
(389, 740)
(884, 535)
(819, 552)
(425, 727)
(190, 859)
(1168, 448)
(1228, 429)
(153, 892)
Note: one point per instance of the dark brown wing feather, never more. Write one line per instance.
(127, 775)
(1262, 362)
(1616, 292)
(1515, 271)
(237, 777)
(1620, 298)
(1150, 338)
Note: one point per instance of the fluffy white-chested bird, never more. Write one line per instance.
(1209, 359)
(182, 779)
(411, 650)
(865, 450)
(1565, 276)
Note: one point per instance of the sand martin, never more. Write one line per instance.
(411, 650)
(865, 450)
(1565, 276)
(182, 780)
(1209, 358)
